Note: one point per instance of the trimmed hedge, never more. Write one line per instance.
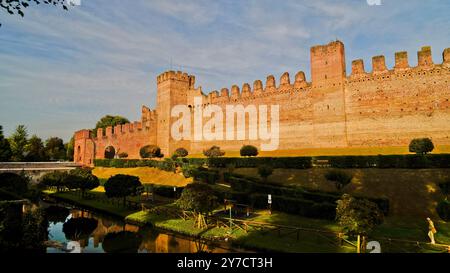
(167, 191)
(297, 206)
(205, 175)
(253, 185)
(377, 161)
(389, 161)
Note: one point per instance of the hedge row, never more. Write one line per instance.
(254, 185)
(377, 161)
(132, 163)
(205, 175)
(388, 161)
(297, 206)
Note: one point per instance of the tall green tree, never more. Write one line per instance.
(109, 120)
(18, 142)
(55, 149)
(69, 149)
(5, 148)
(121, 186)
(35, 150)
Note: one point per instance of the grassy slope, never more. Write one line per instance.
(337, 151)
(412, 193)
(308, 242)
(96, 204)
(146, 175)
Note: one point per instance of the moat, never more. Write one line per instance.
(111, 235)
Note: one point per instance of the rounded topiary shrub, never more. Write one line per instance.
(150, 151)
(249, 150)
(443, 210)
(421, 146)
(181, 152)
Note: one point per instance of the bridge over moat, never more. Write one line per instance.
(36, 169)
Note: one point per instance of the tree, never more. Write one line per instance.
(198, 198)
(181, 152)
(121, 186)
(55, 149)
(358, 216)
(82, 179)
(15, 7)
(214, 151)
(35, 150)
(249, 150)
(70, 149)
(54, 179)
(14, 183)
(340, 178)
(109, 120)
(5, 148)
(150, 151)
(421, 146)
(265, 171)
(22, 232)
(18, 142)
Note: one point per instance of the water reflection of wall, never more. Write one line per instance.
(153, 241)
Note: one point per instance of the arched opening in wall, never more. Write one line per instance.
(110, 152)
(79, 152)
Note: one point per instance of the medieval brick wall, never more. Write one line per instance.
(384, 107)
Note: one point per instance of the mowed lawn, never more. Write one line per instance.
(147, 175)
(396, 150)
(412, 193)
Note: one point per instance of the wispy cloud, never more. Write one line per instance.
(60, 71)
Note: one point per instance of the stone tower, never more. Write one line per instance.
(328, 77)
(172, 89)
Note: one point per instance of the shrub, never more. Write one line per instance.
(249, 150)
(265, 171)
(54, 179)
(181, 152)
(150, 151)
(445, 188)
(123, 155)
(214, 151)
(340, 178)
(443, 210)
(421, 146)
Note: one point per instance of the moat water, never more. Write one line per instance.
(82, 231)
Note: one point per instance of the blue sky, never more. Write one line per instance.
(60, 71)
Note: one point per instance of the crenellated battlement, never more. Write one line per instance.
(331, 110)
(424, 62)
(237, 93)
(177, 76)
